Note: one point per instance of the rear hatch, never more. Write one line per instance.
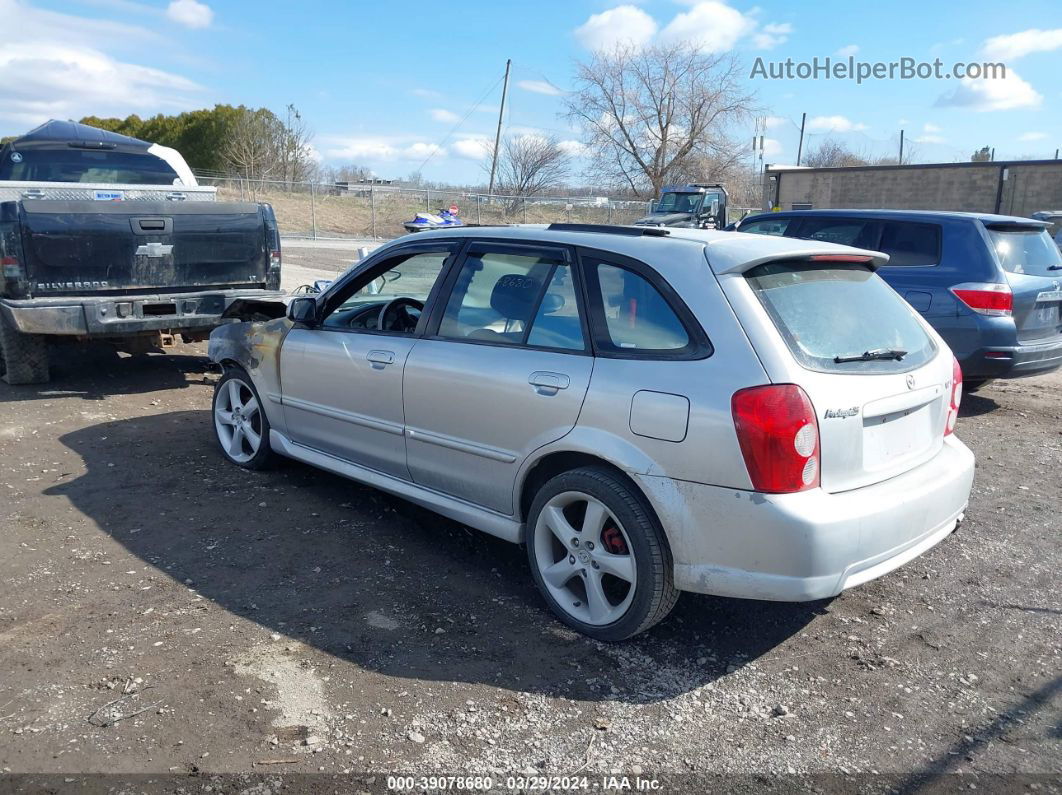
(878, 378)
(76, 248)
(1033, 267)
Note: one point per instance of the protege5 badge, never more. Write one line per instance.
(841, 413)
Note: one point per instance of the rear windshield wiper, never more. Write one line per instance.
(1054, 267)
(870, 356)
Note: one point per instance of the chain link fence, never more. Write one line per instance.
(322, 210)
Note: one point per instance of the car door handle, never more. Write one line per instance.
(380, 357)
(548, 383)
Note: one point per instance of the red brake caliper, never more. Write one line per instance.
(612, 538)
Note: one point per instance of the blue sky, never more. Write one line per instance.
(395, 86)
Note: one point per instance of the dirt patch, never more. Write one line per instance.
(294, 621)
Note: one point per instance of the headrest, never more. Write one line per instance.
(513, 297)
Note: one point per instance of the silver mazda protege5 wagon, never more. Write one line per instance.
(650, 411)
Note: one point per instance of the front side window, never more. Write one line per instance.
(511, 298)
(831, 316)
(394, 298)
(636, 316)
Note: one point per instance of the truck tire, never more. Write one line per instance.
(23, 357)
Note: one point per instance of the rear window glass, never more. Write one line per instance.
(840, 311)
(910, 244)
(81, 165)
(1028, 251)
(770, 226)
(843, 231)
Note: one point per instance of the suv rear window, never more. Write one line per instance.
(1026, 250)
(828, 311)
(81, 165)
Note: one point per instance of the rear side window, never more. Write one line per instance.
(840, 312)
(82, 165)
(637, 316)
(910, 244)
(1026, 250)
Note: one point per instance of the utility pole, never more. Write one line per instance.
(992, 157)
(800, 146)
(901, 148)
(497, 135)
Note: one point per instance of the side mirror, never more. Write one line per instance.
(303, 310)
(715, 208)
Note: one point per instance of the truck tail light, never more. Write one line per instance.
(954, 397)
(779, 437)
(986, 299)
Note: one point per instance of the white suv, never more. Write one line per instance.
(649, 410)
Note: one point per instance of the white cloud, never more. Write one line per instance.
(622, 25)
(41, 80)
(773, 122)
(540, 87)
(929, 127)
(771, 148)
(711, 26)
(930, 135)
(573, 148)
(421, 150)
(848, 50)
(373, 148)
(837, 124)
(1011, 46)
(1032, 136)
(190, 13)
(772, 35)
(1007, 93)
(63, 66)
(425, 93)
(475, 148)
(448, 116)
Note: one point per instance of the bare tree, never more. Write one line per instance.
(262, 146)
(529, 164)
(250, 148)
(831, 154)
(648, 114)
(294, 155)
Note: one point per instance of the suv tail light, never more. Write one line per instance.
(986, 299)
(779, 437)
(955, 397)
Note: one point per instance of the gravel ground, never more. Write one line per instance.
(292, 622)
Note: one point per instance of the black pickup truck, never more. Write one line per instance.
(107, 237)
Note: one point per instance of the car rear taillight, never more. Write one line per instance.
(779, 437)
(954, 397)
(986, 299)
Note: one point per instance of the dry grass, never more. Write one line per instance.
(352, 215)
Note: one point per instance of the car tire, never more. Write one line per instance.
(241, 426)
(23, 357)
(638, 592)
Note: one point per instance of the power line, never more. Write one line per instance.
(457, 126)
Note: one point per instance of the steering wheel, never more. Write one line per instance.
(390, 314)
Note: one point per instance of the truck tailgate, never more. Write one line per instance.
(81, 247)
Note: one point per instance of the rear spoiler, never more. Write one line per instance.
(738, 254)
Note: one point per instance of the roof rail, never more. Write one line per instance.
(629, 231)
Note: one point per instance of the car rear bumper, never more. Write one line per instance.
(1014, 361)
(811, 545)
(123, 315)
